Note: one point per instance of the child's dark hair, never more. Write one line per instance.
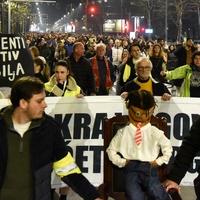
(141, 99)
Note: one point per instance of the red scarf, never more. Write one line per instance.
(95, 70)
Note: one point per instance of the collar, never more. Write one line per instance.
(7, 117)
(142, 126)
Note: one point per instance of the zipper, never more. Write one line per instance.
(21, 145)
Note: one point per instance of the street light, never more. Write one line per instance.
(31, 1)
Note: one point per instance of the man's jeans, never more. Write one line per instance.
(142, 181)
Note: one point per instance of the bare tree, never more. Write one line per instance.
(181, 7)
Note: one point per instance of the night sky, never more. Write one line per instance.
(56, 10)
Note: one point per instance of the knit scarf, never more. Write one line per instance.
(95, 70)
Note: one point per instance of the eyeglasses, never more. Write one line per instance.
(146, 68)
(141, 114)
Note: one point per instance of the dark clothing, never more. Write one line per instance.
(42, 77)
(69, 48)
(172, 61)
(45, 51)
(188, 150)
(158, 88)
(82, 72)
(194, 91)
(157, 63)
(46, 146)
(181, 54)
(102, 90)
(102, 72)
(90, 54)
(18, 155)
(195, 82)
(109, 52)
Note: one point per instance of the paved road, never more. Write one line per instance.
(187, 193)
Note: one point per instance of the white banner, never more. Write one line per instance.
(81, 121)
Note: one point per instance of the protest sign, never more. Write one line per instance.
(15, 59)
(81, 122)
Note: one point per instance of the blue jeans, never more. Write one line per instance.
(142, 181)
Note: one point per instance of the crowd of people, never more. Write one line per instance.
(97, 63)
(71, 65)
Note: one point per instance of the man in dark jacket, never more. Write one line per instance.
(81, 69)
(188, 150)
(144, 81)
(31, 145)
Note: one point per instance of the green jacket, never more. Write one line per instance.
(184, 72)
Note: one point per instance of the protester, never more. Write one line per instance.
(62, 83)
(31, 145)
(124, 59)
(34, 51)
(127, 72)
(191, 75)
(81, 69)
(144, 81)
(39, 69)
(139, 144)
(159, 60)
(172, 60)
(188, 150)
(103, 71)
(117, 50)
(60, 51)
(183, 54)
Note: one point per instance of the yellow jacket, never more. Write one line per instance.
(71, 89)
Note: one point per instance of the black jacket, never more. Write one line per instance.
(46, 146)
(158, 88)
(82, 72)
(188, 150)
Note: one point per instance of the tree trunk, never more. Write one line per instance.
(179, 10)
(180, 26)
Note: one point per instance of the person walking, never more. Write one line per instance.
(188, 150)
(81, 69)
(103, 71)
(191, 75)
(31, 145)
(144, 81)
